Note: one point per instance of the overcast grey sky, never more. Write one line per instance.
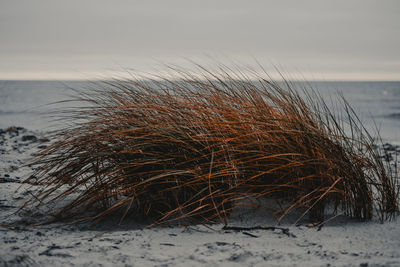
(338, 39)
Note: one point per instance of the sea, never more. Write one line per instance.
(30, 104)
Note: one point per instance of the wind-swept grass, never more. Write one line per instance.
(190, 147)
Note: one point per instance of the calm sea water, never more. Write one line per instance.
(27, 103)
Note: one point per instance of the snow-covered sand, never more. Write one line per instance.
(341, 242)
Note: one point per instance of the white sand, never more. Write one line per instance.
(341, 242)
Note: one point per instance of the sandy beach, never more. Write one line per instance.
(340, 242)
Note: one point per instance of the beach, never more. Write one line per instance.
(340, 242)
(254, 239)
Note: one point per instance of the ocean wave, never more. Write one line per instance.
(18, 112)
(395, 116)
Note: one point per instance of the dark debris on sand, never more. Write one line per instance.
(17, 144)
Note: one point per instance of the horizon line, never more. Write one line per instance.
(162, 74)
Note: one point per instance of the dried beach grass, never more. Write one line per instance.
(190, 147)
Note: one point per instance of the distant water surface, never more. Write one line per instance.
(28, 103)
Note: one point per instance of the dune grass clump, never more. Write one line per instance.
(190, 147)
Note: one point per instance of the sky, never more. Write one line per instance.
(319, 39)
